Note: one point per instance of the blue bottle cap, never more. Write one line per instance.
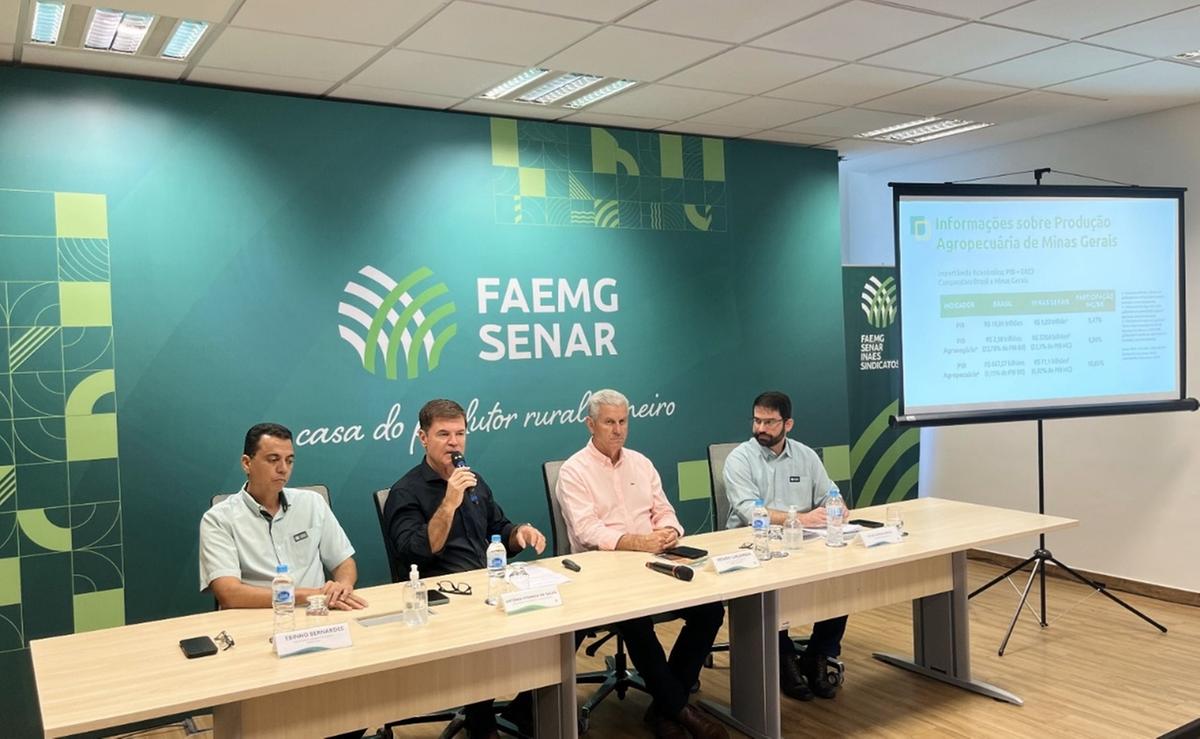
(280, 569)
(495, 538)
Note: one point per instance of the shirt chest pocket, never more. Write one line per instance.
(303, 546)
(798, 489)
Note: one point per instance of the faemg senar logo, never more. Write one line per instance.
(879, 301)
(918, 228)
(397, 325)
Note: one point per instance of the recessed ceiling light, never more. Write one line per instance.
(47, 20)
(519, 81)
(559, 88)
(600, 93)
(116, 30)
(922, 130)
(187, 35)
(1188, 56)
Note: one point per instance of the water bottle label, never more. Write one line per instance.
(759, 523)
(495, 563)
(283, 596)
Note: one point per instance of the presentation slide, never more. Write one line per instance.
(1024, 302)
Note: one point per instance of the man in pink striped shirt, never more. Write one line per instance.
(612, 498)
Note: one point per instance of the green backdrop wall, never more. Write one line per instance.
(179, 263)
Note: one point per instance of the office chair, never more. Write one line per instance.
(717, 454)
(617, 676)
(455, 719)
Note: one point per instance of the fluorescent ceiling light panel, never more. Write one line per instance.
(1187, 56)
(183, 41)
(519, 81)
(116, 30)
(47, 20)
(952, 132)
(600, 93)
(559, 88)
(922, 130)
(898, 127)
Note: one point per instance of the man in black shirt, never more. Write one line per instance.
(441, 518)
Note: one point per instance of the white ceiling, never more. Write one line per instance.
(802, 72)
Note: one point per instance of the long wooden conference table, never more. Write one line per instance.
(469, 652)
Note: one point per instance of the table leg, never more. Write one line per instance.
(942, 641)
(554, 712)
(753, 667)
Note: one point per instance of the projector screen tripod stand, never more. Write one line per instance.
(1040, 559)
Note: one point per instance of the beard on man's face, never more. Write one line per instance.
(765, 439)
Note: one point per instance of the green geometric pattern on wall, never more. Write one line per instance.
(61, 558)
(553, 175)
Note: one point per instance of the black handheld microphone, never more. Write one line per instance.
(679, 572)
(459, 461)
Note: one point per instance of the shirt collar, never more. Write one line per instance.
(254, 505)
(428, 473)
(771, 456)
(598, 455)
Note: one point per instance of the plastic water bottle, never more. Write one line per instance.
(760, 520)
(497, 563)
(283, 598)
(416, 600)
(835, 518)
(793, 530)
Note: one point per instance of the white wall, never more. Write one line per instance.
(1130, 480)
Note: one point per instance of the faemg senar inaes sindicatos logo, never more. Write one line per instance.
(395, 325)
(879, 301)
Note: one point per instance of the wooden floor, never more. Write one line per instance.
(1096, 671)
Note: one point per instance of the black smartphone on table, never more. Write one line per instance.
(866, 524)
(684, 554)
(197, 646)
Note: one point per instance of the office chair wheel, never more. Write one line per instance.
(583, 726)
(621, 691)
(584, 720)
(708, 660)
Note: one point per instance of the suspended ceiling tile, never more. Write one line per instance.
(378, 22)
(717, 130)
(633, 54)
(393, 97)
(200, 10)
(1076, 19)
(847, 122)
(9, 10)
(855, 30)
(941, 96)
(1029, 105)
(963, 48)
(855, 148)
(256, 81)
(663, 101)
(496, 34)
(1153, 85)
(417, 71)
(101, 61)
(593, 118)
(593, 10)
(760, 113)
(970, 9)
(851, 84)
(1165, 36)
(749, 71)
(722, 20)
(1059, 64)
(790, 137)
(512, 110)
(263, 52)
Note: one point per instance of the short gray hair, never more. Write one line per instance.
(607, 396)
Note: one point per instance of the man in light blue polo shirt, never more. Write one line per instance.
(784, 472)
(245, 536)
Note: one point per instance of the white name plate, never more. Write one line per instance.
(532, 599)
(316, 639)
(742, 559)
(881, 535)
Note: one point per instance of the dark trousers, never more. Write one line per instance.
(826, 639)
(670, 680)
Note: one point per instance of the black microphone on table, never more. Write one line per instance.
(459, 461)
(679, 572)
